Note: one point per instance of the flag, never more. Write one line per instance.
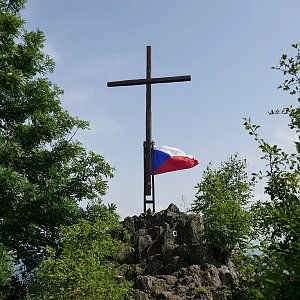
(168, 159)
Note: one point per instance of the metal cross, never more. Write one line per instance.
(148, 145)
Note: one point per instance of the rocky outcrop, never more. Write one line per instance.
(171, 261)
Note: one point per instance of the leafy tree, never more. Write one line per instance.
(44, 172)
(87, 267)
(274, 272)
(6, 270)
(222, 196)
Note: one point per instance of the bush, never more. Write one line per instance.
(222, 197)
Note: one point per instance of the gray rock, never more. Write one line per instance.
(228, 276)
(170, 279)
(170, 259)
(144, 283)
(128, 223)
(169, 296)
(139, 295)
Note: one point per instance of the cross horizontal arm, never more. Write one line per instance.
(151, 81)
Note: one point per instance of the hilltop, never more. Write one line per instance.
(171, 261)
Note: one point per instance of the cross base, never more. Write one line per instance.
(149, 198)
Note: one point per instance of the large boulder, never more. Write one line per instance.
(170, 259)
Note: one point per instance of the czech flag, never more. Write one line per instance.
(168, 159)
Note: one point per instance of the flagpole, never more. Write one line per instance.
(152, 172)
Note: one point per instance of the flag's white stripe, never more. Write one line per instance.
(172, 151)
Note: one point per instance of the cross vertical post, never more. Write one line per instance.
(147, 170)
(149, 144)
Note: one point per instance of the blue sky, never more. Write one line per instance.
(228, 47)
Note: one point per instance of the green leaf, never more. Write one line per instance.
(257, 294)
(297, 146)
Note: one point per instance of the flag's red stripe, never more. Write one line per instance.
(175, 163)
